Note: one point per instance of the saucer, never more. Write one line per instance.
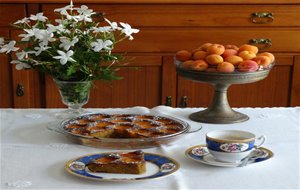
(201, 154)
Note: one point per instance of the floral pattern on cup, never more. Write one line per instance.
(200, 151)
(234, 147)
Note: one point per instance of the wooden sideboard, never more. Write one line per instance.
(165, 27)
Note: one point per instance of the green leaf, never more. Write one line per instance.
(71, 70)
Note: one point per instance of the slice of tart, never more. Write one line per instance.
(123, 163)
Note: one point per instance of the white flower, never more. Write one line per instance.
(102, 29)
(40, 49)
(21, 55)
(68, 7)
(1, 41)
(64, 57)
(38, 17)
(127, 30)
(20, 65)
(30, 33)
(68, 16)
(24, 20)
(114, 25)
(9, 47)
(44, 36)
(84, 10)
(99, 45)
(62, 9)
(66, 43)
(58, 28)
(85, 13)
(85, 18)
(61, 21)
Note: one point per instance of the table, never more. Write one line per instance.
(31, 153)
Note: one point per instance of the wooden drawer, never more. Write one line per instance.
(10, 13)
(196, 15)
(174, 39)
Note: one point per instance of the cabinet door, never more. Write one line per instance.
(141, 86)
(272, 91)
(295, 90)
(26, 85)
(6, 100)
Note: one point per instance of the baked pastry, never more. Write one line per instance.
(122, 126)
(123, 163)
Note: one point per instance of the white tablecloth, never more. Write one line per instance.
(33, 154)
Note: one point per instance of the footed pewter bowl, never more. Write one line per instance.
(219, 111)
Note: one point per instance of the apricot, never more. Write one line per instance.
(204, 46)
(215, 49)
(270, 55)
(263, 61)
(225, 67)
(247, 47)
(247, 55)
(199, 55)
(248, 66)
(187, 64)
(183, 55)
(229, 52)
(214, 59)
(199, 65)
(229, 46)
(197, 49)
(234, 59)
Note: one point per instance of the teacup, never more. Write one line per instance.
(232, 145)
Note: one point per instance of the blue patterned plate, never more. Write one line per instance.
(157, 166)
(200, 153)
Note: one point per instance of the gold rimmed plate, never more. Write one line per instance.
(157, 166)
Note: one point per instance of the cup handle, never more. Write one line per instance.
(262, 140)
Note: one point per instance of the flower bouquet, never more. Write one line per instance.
(76, 47)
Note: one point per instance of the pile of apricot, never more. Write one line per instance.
(225, 58)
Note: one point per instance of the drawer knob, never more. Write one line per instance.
(20, 90)
(262, 18)
(262, 42)
(169, 101)
(183, 103)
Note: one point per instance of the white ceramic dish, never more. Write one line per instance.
(201, 154)
(157, 166)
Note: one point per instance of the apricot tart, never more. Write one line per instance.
(124, 163)
(123, 131)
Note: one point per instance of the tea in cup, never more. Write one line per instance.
(232, 145)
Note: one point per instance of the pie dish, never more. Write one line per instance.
(123, 131)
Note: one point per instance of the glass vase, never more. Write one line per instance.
(74, 94)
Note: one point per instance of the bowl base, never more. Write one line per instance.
(208, 116)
